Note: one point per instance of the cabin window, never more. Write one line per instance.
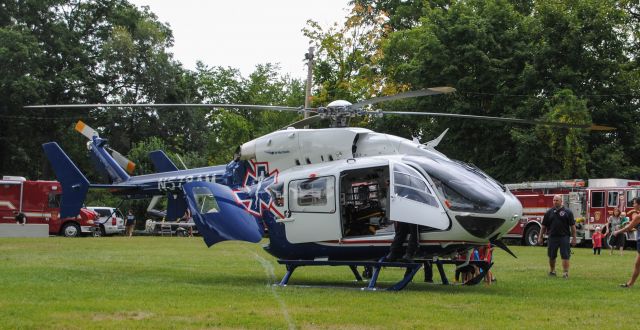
(54, 200)
(408, 184)
(316, 195)
(205, 201)
(613, 199)
(597, 199)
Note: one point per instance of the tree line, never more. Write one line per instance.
(569, 61)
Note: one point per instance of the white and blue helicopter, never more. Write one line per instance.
(326, 196)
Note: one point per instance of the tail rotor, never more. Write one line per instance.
(92, 135)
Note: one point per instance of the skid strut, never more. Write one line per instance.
(376, 266)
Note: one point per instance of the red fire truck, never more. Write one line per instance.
(591, 204)
(39, 201)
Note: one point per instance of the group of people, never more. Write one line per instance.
(559, 223)
(616, 221)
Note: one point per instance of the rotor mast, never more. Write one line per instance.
(307, 93)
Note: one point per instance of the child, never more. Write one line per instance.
(596, 240)
(624, 220)
(486, 254)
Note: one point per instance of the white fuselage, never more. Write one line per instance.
(299, 154)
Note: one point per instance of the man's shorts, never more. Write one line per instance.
(559, 242)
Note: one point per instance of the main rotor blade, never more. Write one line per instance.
(304, 122)
(143, 105)
(592, 127)
(405, 95)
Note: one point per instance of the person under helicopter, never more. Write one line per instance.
(403, 230)
(187, 218)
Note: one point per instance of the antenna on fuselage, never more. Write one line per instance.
(181, 162)
(434, 143)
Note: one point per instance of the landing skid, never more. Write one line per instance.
(376, 266)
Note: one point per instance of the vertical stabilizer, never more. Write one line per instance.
(74, 184)
(161, 162)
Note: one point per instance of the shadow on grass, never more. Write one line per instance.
(414, 286)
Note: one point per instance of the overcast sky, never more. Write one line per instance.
(243, 33)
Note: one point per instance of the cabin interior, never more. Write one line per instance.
(364, 194)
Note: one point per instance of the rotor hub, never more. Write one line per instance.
(338, 112)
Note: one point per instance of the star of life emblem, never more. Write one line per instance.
(253, 193)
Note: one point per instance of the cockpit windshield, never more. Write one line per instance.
(465, 187)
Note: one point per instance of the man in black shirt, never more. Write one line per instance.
(559, 222)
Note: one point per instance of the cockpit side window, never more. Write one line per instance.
(205, 200)
(408, 184)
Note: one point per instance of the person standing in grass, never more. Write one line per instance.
(596, 241)
(635, 223)
(614, 223)
(559, 222)
(131, 222)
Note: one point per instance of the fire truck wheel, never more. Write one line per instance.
(531, 235)
(71, 230)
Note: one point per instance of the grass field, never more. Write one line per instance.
(162, 282)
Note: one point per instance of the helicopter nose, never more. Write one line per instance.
(493, 225)
(511, 211)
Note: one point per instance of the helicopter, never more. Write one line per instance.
(326, 196)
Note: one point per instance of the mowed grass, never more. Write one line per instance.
(163, 282)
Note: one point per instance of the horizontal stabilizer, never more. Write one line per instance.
(74, 184)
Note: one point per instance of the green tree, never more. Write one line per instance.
(477, 47)
(85, 51)
(568, 146)
(347, 62)
(229, 128)
(509, 58)
(583, 46)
